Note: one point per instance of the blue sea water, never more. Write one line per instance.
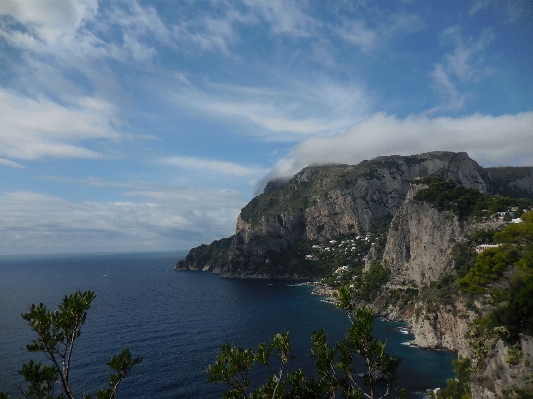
(177, 321)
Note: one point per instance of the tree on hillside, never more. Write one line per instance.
(336, 374)
(335, 370)
(57, 333)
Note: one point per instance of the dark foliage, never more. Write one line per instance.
(335, 373)
(465, 202)
(57, 332)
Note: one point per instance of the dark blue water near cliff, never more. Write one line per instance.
(176, 321)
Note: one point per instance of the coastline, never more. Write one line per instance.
(329, 296)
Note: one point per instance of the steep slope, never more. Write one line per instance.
(512, 181)
(420, 240)
(329, 221)
(475, 305)
(329, 201)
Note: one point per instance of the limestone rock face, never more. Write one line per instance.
(418, 252)
(420, 239)
(506, 371)
(445, 328)
(322, 202)
(327, 201)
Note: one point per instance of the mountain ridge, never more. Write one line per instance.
(366, 226)
(323, 202)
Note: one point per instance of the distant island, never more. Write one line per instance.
(432, 239)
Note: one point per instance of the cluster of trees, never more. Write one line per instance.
(465, 202)
(335, 374)
(514, 308)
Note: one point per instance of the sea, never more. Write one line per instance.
(177, 321)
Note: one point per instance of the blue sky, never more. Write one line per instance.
(147, 125)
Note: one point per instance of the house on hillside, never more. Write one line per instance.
(482, 247)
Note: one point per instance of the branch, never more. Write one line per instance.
(279, 381)
(386, 393)
(64, 381)
(70, 348)
(354, 382)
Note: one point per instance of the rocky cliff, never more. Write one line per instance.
(324, 202)
(421, 252)
(507, 372)
(291, 231)
(420, 240)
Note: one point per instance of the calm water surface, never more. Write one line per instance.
(176, 320)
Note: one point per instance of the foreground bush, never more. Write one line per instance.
(336, 374)
(57, 333)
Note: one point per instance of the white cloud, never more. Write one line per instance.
(288, 114)
(50, 19)
(465, 64)
(36, 128)
(75, 31)
(378, 35)
(285, 17)
(213, 166)
(490, 140)
(176, 218)
(11, 164)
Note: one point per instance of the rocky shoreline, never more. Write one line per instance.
(325, 291)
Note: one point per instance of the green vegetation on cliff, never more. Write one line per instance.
(514, 257)
(504, 276)
(466, 202)
(303, 190)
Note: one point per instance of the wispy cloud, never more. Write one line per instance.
(36, 128)
(378, 35)
(75, 30)
(357, 33)
(512, 10)
(214, 166)
(452, 99)
(97, 182)
(209, 33)
(47, 20)
(176, 218)
(465, 64)
(285, 17)
(279, 114)
(11, 164)
(492, 141)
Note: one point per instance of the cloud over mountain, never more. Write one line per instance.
(491, 141)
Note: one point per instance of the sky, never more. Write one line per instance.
(147, 125)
